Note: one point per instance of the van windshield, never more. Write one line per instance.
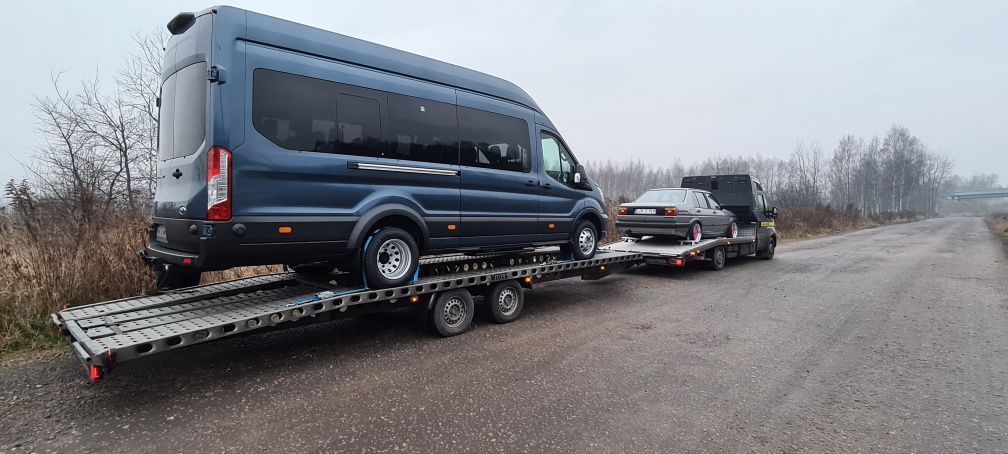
(182, 118)
(663, 196)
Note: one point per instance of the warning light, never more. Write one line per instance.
(676, 262)
(285, 230)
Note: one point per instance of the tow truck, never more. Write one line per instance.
(105, 334)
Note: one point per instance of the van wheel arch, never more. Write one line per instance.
(595, 219)
(401, 217)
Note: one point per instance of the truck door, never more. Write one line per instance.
(763, 221)
(559, 201)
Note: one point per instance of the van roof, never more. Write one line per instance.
(302, 38)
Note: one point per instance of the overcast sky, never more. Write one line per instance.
(656, 81)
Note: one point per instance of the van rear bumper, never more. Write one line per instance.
(249, 241)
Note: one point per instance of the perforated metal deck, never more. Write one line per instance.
(108, 333)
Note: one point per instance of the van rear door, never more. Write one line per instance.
(183, 131)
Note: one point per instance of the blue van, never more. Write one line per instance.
(281, 143)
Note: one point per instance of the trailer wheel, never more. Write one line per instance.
(452, 312)
(695, 232)
(390, 258)
(717, 258)
(768, 253)
(505, 301)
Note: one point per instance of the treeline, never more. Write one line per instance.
(895, 173)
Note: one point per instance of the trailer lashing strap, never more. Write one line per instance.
(221, 321)
(165, 299)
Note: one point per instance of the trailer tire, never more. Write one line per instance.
(768, 253)
(694, 232)
(390, 258)
(452, 312)
(718, 258)
(505, 301)
(583, 242)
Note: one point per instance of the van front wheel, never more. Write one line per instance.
(583, 242)
(391, 258)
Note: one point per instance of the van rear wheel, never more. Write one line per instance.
(583, 242)
(391, 258)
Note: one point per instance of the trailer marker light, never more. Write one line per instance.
(414, 299)
(452, 227)
(94, 373)
(528, 279)
(601, 268)
(186, 261)
(285, 230)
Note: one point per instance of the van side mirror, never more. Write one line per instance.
(580, 179)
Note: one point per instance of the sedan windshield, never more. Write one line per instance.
(663, 196)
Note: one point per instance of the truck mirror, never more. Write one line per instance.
(773, 212)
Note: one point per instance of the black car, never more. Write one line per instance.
(690, 214)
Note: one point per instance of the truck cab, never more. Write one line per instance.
(744, 196)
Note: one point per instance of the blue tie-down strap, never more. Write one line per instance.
(328, 294)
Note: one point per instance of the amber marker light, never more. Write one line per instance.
(285, 230)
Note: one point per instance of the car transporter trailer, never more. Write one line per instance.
(105, 334)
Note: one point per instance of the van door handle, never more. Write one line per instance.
(546, 186)
(530, 183)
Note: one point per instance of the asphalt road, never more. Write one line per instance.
(890, 339)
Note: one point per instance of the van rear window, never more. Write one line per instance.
(182, 118)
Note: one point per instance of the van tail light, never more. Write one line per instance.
(219, 184)
(671, 211)
(621, 211)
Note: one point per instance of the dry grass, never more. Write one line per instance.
(43, 270)
(816, 221)
(998, 224)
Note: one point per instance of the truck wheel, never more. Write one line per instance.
(583, 242)
(505, 300)
(695, 232)
(717, 258)
(768, 253)
(732, 230)
(452, 312)
(391, 258)
(171, 277)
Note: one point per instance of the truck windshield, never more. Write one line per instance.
(663, 196)
(182, 119)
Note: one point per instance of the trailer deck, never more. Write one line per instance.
(108, 333)
(659, 251)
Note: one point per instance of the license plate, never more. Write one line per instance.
(655, 261)
(162, 234)
(645, 211)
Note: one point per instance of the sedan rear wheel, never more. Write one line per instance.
(732, 230)
(695, 232)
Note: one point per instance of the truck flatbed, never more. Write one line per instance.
(661, 251)
(105, 334)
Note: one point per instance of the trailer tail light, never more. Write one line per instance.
(675, 261)
(622, 211)
(94, 373)
(671, 211)
(219, 184)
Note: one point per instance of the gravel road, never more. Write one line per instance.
(889, 339)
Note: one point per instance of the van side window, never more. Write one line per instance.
(423, 130)
(294, 112)
(557, 161)
(358, 130)
(493, 140)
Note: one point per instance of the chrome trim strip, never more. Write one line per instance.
(404, 169)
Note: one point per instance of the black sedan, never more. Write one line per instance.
(689, 214)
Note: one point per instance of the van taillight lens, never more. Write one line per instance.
(621, 211)
(218, 184)
(671, 211)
